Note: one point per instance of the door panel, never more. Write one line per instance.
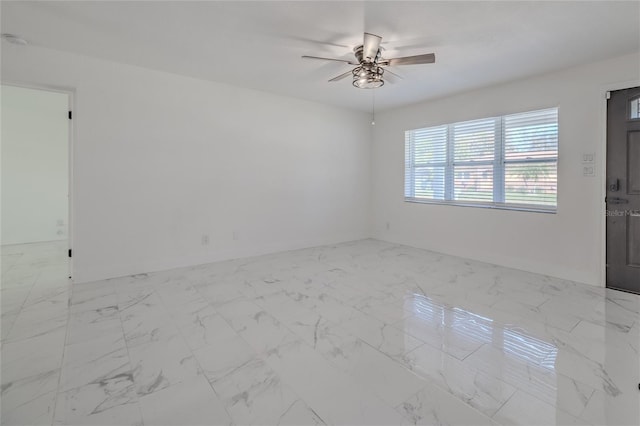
(623, 192)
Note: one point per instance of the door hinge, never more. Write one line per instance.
(70, 115)
(608, 95)
(69, 252)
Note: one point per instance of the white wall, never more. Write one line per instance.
(567, 244)
(161, 159)
(34, 165)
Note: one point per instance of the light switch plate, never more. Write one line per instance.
(588, 157)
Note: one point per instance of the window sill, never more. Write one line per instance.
(495, 206)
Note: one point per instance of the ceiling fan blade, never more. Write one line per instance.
(330, 59)
(427, 58)
(341, 76)
(370, 46)
(390, 79)
(387, 70)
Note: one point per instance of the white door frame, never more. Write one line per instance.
(71, 93)
(603, 176)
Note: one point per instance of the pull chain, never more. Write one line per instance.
(373, 107)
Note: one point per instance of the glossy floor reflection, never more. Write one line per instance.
(359, 333)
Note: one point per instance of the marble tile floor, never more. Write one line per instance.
(361, 333)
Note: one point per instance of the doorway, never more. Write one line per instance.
(35, 169)
(623, 190)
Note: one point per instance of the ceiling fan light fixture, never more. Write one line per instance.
(368, 76)
(368, 83)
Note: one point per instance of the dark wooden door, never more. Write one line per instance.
(623, 190)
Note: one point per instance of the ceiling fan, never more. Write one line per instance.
(369, 65)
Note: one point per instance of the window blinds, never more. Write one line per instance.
(473, 159)
(508, 161)
(425, 163)
(531, 157)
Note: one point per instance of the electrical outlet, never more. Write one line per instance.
(205, 240)
(589, 171)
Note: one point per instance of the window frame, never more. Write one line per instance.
(630, 116)
(499, 163)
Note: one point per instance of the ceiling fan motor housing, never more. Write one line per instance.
(359, 55)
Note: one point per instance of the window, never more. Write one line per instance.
(502, 162)
(634, 108)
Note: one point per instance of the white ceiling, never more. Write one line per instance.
(259, 44)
